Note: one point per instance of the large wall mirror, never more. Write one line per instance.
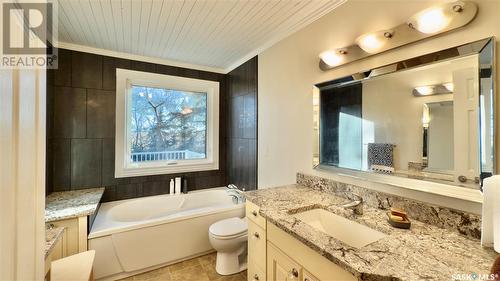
(428, 118)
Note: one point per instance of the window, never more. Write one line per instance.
(165, 124)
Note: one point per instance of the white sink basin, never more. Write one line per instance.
(347, 231)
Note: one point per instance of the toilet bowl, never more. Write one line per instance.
(229, 239)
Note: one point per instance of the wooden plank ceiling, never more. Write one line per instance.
(210, 33)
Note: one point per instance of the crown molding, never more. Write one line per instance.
(110, 53)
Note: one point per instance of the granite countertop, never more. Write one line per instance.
(424, 252)
(52, 236)
(72, 204)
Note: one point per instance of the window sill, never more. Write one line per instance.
(164, 170)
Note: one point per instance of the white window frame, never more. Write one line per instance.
(124, 167)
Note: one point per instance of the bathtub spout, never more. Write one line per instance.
(236, 193)
(235, 198)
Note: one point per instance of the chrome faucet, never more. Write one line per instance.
(237, 194)
(356, 205)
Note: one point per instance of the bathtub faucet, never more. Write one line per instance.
(237, 194)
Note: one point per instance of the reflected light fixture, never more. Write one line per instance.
(449, 86)
(373, 42)
(425, 90)
(333, 58)
(438, 89)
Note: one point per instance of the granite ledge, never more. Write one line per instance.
(72, 204)
(52, 236)
(424, 252)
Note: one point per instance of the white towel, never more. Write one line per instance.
(490, 229)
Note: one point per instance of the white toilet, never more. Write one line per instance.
(229, 238)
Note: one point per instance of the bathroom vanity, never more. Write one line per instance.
(74, 212)
(284, 257)
(300, 232)
(68, 215)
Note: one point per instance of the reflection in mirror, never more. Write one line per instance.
(431, 121)
(316, 94)
(437, 123)
(486, 58)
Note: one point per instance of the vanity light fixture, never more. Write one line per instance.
(438, 89)
(437, 18)
(333, 58)
(373, 42)
(429, 22)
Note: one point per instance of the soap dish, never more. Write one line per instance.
(405, 224)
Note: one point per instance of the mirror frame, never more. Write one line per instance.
(471, 48)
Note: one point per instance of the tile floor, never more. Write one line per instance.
(197, 269)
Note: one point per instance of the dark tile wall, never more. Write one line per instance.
(242, 123)
(81, 128)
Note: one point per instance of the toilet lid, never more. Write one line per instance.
(229, 227)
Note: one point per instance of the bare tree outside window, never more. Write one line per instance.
(167, 124)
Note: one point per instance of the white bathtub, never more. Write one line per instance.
(137, 235)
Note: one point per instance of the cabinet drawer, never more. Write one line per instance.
(252, 212)
(256, 244)
(255, 273)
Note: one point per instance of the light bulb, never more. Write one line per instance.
(430, 21)
(373, 42)
(425, 90)
(331, 58)
(449, 86)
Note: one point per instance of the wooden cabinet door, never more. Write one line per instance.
(307, 276)
(280, 267)
(75, 235)
(256, 245)
(255, 273)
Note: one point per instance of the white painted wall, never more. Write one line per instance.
(289, 69)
